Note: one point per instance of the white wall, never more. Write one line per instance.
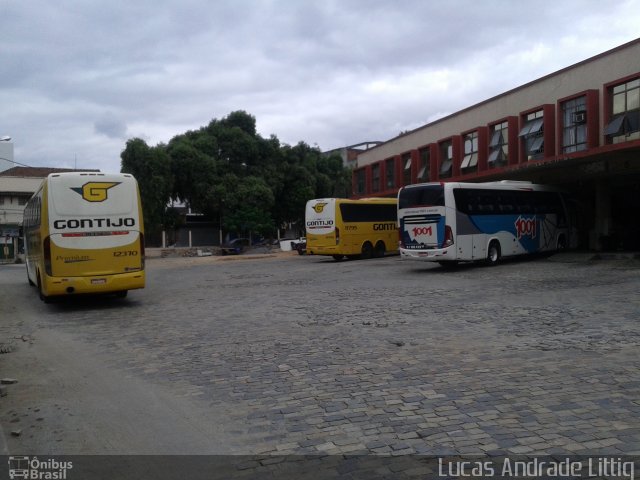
(6, 153)
(11, 212)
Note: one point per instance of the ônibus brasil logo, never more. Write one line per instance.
(95, 191)
(33, 468)
(525, 227)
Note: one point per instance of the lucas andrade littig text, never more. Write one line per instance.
(609, 467)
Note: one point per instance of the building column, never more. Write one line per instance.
(600, 238)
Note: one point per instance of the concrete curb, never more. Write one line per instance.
(583, 257)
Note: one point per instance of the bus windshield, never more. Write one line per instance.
(422, 196)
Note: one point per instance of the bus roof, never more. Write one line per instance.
(88, 174)
(500, 185)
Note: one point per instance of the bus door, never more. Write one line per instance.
(470, 241)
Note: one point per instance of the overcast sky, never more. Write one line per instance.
(78, 79)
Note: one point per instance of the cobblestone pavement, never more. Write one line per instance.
(311, 356)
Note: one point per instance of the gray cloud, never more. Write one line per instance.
(331, 73)
(111, 127)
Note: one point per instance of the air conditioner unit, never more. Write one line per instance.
(579, 117)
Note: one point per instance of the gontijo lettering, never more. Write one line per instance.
(93, 222)
(384, 226)
(319, 223)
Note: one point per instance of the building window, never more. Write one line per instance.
(360, 181)
(470, 160)
(375, 178)
(574, 125)
(406, 169)
(532, 135)
(425, 165)
(390, 169)
(446, 156)
(625, 112)
(499, 145)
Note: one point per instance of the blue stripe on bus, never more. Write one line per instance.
(525, 228)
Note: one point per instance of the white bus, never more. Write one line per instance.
(84, 234)
(453, 222)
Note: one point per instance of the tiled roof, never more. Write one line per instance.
(38, 172)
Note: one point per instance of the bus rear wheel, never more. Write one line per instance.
(493, 253)
(367, 250)
(43, 297)
(562, 244)
(378, 252)
(338, 258)
(29, 277)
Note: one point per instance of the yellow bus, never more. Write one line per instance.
(84, 234)
(356, 228)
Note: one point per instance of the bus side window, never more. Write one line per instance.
(486, 205)
(463, 202)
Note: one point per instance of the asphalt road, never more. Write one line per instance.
(285, 354)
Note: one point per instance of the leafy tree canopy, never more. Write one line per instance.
(227, 170)
(152, 168)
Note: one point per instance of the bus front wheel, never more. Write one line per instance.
(367, 250)
(493, 253)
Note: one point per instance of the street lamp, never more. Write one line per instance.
(5, 247)
(17, 163)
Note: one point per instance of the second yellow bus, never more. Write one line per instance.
(356, 228)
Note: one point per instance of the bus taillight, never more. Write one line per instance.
(448, 237)
(47, 256)
(142, 250)
(337, 236)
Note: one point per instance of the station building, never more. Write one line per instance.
(578, 129)
(17, 185)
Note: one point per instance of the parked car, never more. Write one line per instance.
(235, 246)
(300, 245)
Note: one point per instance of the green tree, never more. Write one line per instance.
(242, 120)
(308, 174)
(151, 166)
(227, 170)
(194, 172)
(247, 205)
(334, 179)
